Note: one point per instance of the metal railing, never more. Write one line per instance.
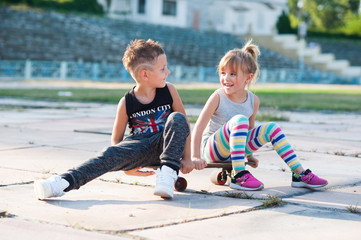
(111, 72)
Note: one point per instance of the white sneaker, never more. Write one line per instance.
(51, 187)
(166, 178)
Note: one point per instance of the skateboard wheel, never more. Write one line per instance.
(217, 178)
(180, 184)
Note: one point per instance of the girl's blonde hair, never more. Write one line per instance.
(244, 59)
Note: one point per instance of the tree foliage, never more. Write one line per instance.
(335, 16)
(88, 6)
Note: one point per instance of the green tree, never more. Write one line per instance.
(283, 24)
(89, 6)
(325, 15)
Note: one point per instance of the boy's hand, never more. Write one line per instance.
(137, 172)
(187, 166)
(199, 163)
(252, 161)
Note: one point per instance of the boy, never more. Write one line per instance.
(159, 130)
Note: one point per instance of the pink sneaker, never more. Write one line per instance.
(245, 181)
(308, 180)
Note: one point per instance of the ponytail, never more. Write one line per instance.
(250, 49)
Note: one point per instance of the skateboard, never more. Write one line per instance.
(180, 184)
(217, 177)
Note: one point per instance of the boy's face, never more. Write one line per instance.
(157, 76)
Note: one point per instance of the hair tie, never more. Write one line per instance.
(245, 50)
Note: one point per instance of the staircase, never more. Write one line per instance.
(290, 46)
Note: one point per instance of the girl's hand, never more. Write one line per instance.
(137, 172)
(199, 164)
(252, 161)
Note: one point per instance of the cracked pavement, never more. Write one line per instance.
(42, 138)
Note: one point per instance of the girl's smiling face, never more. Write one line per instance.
(233, 80)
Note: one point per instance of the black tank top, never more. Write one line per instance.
(148, 118)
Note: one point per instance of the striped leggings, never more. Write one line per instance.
(233, 141)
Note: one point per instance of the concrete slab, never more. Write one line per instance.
(272, 171)
(337, 198)
(12, 176)
(11, 229)
(42, 137)
(43, 159)
(39, 140)
(289, 221)
(117, 207)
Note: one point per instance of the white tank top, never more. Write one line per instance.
(225, 111)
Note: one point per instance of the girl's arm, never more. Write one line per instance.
(187, 164)
(120, 123)
(252, 161)
(252, 119)
(203, 119)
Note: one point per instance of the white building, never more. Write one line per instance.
(241, 17)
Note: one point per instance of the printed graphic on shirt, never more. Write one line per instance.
(149, 121)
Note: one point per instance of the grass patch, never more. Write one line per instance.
(343, 99)
(311, 99)
(273, 201)
(270, 117)
(4, 214)
(192, 119)
(353, 209)
(237, 194)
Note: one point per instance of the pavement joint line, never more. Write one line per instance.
(18, 169)
(25, 106)
(320, 207)
(17, 184)
(344, 186)
(261, 207)
(21, 148)
(126, 231)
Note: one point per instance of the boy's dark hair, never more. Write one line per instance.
(141, 54)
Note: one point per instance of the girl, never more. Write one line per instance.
(225, 130)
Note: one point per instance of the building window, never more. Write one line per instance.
(170, 7)
(141, 6)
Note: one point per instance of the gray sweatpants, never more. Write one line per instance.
(165, 148)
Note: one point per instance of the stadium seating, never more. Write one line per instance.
(46, 35)
(342, 48)
(39, 35)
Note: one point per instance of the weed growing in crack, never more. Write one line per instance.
(353, 209)
(340, 153)
(272, 201)
(242, 195)
(4, 214)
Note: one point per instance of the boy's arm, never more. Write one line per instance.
(120, 123)
(187, 164)
(202, 121)
(252, 161)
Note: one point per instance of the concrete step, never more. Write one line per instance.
(352, 71)
(285, 38)
(323, 58)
